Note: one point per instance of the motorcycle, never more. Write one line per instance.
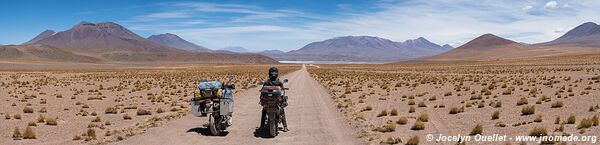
(272, 99)
(216, 101)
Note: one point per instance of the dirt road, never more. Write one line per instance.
(312, 119)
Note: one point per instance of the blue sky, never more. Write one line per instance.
(289, 25)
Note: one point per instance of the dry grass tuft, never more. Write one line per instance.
(477, 130)
(414, 140)
(419, 125)
(29, 133)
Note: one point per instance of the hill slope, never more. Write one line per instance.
(38, 52)
(41, 36)
(175, 41)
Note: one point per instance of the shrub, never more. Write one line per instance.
(160, 110)
(423, 117)
(126, 117)
(585, 123)
(43, 110)
(422, 104)
(17, 116)
(557, 120)
(394, 112)
(143, 112)
(392, 140)
(498, 104)
(368, 108)
(456, 110)
(477, 130)
(91, 133)
(31, 124)
(29, 133)
(496, 115)
(41, 119)
(382, 113)
(522, 101)
(538, 131)
(595, 120)
(27, 110)
(419, 125)
(538, 119)
(107, 122)
(411, 109)
(111, 110)
(571, 120)
(97, 119)
(51, 121)
(403, 120)
(389, 127)
(411, 102)
(414, 140)
(528, 110)
(557, 104)
(17, 134)
(76, 137)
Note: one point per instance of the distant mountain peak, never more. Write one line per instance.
(586, 34)
(101, 36)
(45, 34)
(486, 41)
(447, 46)
(238, 49)
(175, 41)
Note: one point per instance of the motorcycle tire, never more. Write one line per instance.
(272, 125)
(212, 125)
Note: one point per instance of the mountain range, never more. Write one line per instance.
(363, 48)
(582, 39)
(110, 42)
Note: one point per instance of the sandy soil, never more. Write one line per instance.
(311, 116)
(81, 99)
(368, 94)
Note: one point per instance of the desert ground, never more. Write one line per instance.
(402, 103)
(329, 104)
(79, 104)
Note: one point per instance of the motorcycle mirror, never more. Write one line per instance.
(286, 88)
(230, 78)
(285, 81)
(261, 83)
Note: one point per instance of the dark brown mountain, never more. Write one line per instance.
(112, 42)
(584, 35)
(102, 37)
(175, 41)
(41, 36)
(363, 48)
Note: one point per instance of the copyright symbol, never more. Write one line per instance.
(429, 137)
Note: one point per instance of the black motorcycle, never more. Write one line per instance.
(272, 99)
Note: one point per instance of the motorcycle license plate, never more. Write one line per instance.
(269, 95)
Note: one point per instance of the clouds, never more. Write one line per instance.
(551, 5)
(443, 21)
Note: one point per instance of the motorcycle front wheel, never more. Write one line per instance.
(212, 125)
